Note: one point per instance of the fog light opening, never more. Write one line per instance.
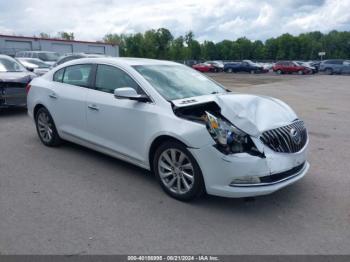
(245, 180)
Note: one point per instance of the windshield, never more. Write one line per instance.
(178, 82)
(52, 57)
(10, 65)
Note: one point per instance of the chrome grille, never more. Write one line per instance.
(286, 139)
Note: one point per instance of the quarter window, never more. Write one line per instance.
(78, 75)
(109, 78)
(58, 76)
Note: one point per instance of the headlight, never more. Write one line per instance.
(229, 139)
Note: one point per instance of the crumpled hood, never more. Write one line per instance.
(251, 113)
(255, 114)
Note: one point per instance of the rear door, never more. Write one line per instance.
(245, 67)
(68, 99)
(292, 68)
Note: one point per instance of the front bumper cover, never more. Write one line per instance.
(219, 171)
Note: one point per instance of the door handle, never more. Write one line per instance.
(53, 95)
(93, 107)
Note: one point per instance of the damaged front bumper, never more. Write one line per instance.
(245, 175)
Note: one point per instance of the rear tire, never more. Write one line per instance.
(46, 128)
(178, 172)
(279, 72)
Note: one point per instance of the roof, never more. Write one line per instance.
(53, 39)
(131, 61)
(118, 61)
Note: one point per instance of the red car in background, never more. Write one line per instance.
(204, 68)
(288, 67)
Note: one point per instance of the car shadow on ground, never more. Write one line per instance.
(10, 112)
(284, 198)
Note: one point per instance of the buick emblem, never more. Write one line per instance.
(295, 135)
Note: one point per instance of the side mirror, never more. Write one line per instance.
(129, 93)
(30, 69)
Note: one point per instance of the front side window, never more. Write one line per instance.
(109, 78)
(178, 81)
(78, 75)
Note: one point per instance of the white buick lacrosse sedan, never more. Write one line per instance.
(195, 135)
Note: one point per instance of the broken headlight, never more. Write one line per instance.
(229, 139)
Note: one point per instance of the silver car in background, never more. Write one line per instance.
(35, 65)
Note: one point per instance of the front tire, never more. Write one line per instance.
(329, 71)
(46, 128)
(178, 172)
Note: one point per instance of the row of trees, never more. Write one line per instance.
(161, 44)
(60, 35)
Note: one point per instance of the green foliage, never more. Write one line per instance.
(65, 35)
(44, 35)
(161, 44)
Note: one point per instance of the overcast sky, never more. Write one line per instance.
(208, 19)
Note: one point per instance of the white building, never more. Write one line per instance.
(9, 45)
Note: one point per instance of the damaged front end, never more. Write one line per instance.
(228, 138)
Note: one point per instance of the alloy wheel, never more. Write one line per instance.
(176, 171)
(45, 127)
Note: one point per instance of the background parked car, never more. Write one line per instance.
(336, 66)
(35, 65)
(218, 65)
(308, 65)
(288, 67)
(47, 57)
(204, 68)
(13, 81)
(73, 56)
(244, 66)
(266, 66)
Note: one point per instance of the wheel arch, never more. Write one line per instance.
(37, 107)
(156, 143)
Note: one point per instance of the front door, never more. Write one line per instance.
(117, 124)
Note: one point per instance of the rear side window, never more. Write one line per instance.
(78, 75)
(109, 78)
(58, 76)
(334, 62)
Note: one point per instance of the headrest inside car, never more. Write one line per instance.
(75, 75)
